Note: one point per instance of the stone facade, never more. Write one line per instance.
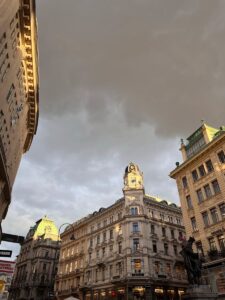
(36, 265)
(129, 250)
(18, 90)
(201, 185)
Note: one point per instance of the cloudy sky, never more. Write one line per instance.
(120, 81)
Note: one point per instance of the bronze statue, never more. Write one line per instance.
(192, 262)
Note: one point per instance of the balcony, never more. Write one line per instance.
(215, 255)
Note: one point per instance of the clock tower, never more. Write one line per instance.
(133, 188)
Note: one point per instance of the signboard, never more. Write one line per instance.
(7, 267)
(5, 253)
(6, 237)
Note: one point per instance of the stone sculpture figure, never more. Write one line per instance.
(192, 262)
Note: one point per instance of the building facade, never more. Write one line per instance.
(36, 265)
(129, 250)
(18, 90)
(201, 186)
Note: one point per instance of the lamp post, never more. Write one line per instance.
(72, 238)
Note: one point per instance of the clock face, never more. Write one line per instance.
(131, 167)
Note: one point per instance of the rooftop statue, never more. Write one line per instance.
(192, 262)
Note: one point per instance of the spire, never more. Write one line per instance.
(133, 178)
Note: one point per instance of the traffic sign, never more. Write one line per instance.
(5, 253)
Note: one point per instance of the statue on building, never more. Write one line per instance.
(192, 262)
(133, 177)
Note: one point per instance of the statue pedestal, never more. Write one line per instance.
(199, 292)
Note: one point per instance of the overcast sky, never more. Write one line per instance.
(120, 81)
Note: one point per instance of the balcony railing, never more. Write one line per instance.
(215, 254)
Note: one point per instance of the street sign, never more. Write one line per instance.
(6, 237)
(5, 253)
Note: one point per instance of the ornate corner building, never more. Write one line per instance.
(130, 250)
(201, 186)
(36, 265)
(18, 89)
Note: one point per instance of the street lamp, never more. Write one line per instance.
(72, 238)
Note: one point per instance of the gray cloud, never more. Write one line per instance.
(121, 81)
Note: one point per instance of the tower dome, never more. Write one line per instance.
(133, 177)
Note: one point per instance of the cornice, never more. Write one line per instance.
(29, 37)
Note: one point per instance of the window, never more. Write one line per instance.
(221, 157)
(214, 215)
(91, 242)
(105, 222)
(207, 190)
(104, 236)
(110, 271)
(184, 181)
(152, 229)
(209, 166)
(193, 223)
(119, 215)
(170, 219)
(216, 186)
(111, 219)
(97, 253)
(154, 246)
(165, 248)
(205, 218)
(157, 267)
(120, 247)
(135, 227)
(212, 244)
(175, 249)
(162, 217)
(202, 171)
(111, 234)
(194, 175)
(221, 242)
(180, 235)
(103, 252)
(98, 239)
(200, 195)
(199, 247)
(172, 233)
(189, 202)
(137, 265)
(168, 268)
(134, 211)
(136, 244)
(163, 231)
(98, 225)
(111, 247)
(222, 210)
